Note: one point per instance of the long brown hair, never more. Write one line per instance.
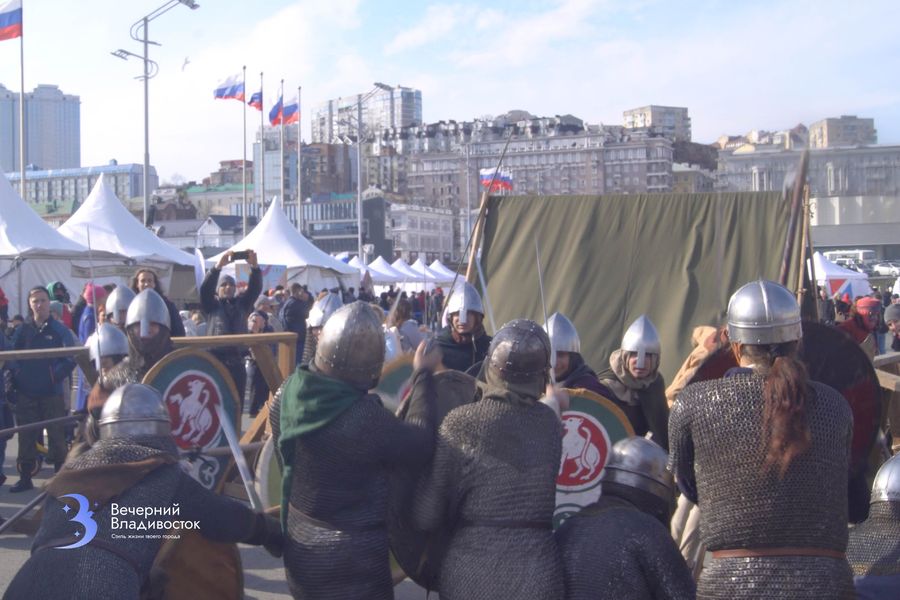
(786, 393)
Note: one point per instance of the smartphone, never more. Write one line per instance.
(240, 255)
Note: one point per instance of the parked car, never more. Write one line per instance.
(889, 269)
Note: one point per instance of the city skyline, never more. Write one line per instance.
(736, 68)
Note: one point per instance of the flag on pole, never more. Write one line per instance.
(230, 89)
(256, 100)
(291, 112)
(11, 20)
(503, 180)
(276, 114)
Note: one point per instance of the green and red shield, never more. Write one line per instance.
(590, 428)
(192, 382)
(395, 381)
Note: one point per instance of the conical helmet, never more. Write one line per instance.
(351, 347)
(763, 312)
(464, 298)
(887, 482)
(117, 303)
(323, 308)
(639, 463)
(641, 338)
(519, 353)
(148, 307)
(134, 410)
(108, 340)
(563, 334)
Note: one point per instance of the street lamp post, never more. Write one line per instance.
(139, 34)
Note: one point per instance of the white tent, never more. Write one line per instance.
(114, 229)
(32, 253)
(385, 268)
(378, 278)
(838, 280)
(439, 268)
(420, 267)
(415, 280)
(277, 242)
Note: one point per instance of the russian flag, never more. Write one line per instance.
(256, 100)
(275, 115)
(230, 89)
(11, 20)
(503, 181)
(291, 112)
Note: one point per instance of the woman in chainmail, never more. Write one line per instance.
(764, 453)
(493, 479)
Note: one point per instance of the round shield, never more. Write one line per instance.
(267, 475)
(590, 428)
(394, 382)
(192, 382)
(833, 358)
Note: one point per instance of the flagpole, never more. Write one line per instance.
(262, 151)
(244, 164)
(299, 164)
(22, 108)
(281, 138)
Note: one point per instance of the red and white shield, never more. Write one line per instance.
(191, 399)
(585, 449)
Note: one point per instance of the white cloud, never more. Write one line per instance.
(438, 23)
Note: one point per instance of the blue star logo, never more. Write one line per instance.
(66, 508)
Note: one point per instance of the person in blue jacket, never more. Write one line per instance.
(38, 384)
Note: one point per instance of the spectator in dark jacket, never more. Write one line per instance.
(826, 307)
(146, 278)
(227, 312)
(39, 385)
(294, 314)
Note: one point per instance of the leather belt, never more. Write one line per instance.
(504, 524)
(784, 551)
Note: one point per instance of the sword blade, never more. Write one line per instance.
(537, 252)
(239, 460)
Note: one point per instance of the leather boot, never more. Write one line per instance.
(23, 485)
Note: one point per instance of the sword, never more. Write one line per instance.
(239, 459)
(537, 251)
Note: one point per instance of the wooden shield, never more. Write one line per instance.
(192, 382)
(590, 428)
(395, 381)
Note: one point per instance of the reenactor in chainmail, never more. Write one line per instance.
(147, 327)
(134, 465)
(493, 479)
(338, 445)
(322, 309)
(570, 369)
(635, 384)
(764, 452)
(464, 342)
(874, 547)
(620, 547)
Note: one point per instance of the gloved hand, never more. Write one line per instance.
(267, 533)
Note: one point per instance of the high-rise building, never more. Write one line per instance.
(52, 126)
(671, 121)
(384, 108)
(848, 130)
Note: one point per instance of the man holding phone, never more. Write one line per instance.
(226, 311)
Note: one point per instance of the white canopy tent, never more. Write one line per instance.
(420, 267)
(838, 280)
(378, 278)
(277, 242)
(32, 253)
(385, 268)
(114, 229)
(439, 268)
(415, 280)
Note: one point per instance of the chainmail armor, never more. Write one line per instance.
(309, 348)
(99, 574)
(717, 456)
(496, 461)
(121, 374)
(874, 546)
(612, 549)
(336, 543)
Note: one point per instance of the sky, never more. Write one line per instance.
(736, 65)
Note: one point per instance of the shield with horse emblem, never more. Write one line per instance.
(590, 428)
(192, 382)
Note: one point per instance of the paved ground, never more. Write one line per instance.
(263, 575)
